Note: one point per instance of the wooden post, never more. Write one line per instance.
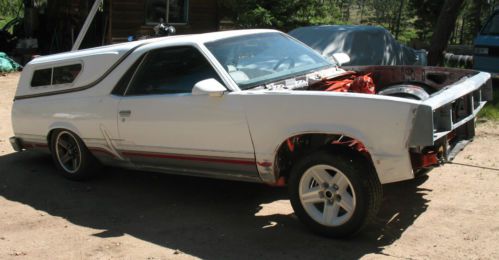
(110, 22)
(86, 25)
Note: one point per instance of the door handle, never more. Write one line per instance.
(125, 113)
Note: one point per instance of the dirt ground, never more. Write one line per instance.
(451, 214)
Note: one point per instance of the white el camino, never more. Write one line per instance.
(248, 105)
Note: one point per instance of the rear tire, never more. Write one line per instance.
(71, 157)
(335, 195)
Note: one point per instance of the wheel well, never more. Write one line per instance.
(295, 147)
(51, 133)
(49, 137)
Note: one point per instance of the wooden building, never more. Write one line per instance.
(56, 23)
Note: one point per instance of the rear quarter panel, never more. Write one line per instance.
(88, 112)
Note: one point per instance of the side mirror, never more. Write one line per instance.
(210, 87)
(340, 58)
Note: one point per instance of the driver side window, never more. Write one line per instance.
(170, 70)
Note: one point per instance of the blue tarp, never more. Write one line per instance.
(7, 64)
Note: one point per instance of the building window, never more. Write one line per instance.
(171, 11)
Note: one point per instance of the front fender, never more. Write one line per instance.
(383, 124)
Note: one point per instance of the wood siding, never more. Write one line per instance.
(128, 18)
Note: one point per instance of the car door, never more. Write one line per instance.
(163, 126)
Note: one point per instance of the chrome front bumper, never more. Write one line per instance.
(16, 144)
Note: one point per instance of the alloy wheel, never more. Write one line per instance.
(327, 195)
(68, 152)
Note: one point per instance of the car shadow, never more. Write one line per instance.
(206, 218)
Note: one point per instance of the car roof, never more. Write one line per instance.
(122, 48)
(206, 37)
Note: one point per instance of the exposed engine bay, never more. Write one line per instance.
(412, 82)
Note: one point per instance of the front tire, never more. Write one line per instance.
(71, 157)
(335, 195)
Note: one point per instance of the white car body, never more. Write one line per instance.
(234, 135)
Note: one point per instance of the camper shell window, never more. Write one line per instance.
(55, 76)
(42, 78)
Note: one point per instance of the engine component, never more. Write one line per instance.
(406, 91)
(349, 82)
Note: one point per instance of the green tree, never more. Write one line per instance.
(426, 12)
(9, 8)
(281, 14)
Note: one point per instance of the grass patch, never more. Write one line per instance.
(491, 110)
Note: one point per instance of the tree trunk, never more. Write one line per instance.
(445, 25)
(461, 39)
(476, 9)
(401, 9)
(361, 11)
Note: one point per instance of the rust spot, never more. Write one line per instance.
(264, 164)
(281, 182)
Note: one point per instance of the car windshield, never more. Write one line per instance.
(492, 26)
(257, 59)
